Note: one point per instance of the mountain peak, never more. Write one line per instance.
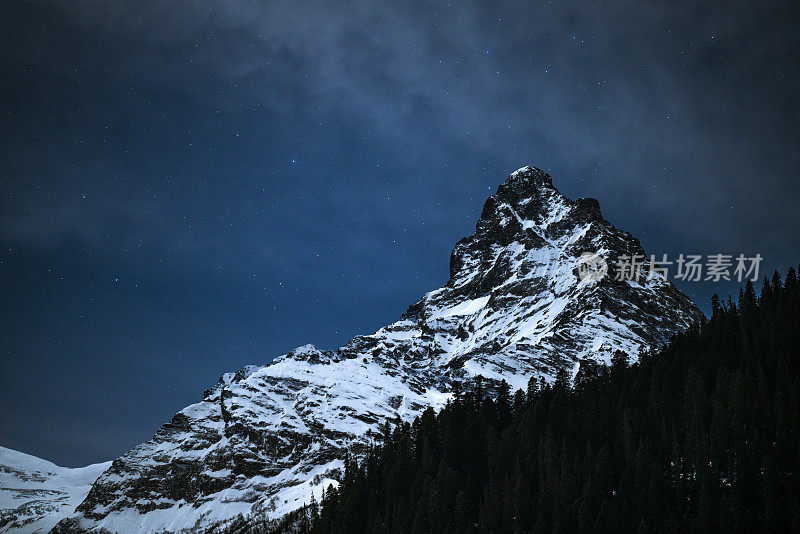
(267, 438)
(528, 172)
(529, 211)
(525, 181)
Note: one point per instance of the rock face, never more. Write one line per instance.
(264, 438)
(36, 494)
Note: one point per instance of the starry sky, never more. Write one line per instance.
(190, 187)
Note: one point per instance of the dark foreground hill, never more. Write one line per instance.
(702, 437)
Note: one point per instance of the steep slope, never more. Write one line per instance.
(266, 437)
(36, 494)
(702, 437)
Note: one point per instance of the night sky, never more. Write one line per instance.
(188, 188)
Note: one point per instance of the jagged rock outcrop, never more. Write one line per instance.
(514, 308)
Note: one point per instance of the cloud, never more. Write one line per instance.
(644, 101)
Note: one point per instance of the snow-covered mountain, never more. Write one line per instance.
(266, 437)
(36, 494)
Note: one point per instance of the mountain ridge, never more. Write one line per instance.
(35, 493)
(266, 438)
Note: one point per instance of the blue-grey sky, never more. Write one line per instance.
(190, 187)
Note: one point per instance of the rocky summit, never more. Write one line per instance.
(515, 307)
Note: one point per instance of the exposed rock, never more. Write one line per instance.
(266, 437)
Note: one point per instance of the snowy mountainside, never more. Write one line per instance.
(265, 438)
(36, 494)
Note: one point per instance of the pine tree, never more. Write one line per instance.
(702, 436)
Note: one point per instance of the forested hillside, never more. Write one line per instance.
(703, 436)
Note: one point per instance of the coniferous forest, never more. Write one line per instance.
(702, 437)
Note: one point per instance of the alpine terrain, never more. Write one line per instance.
(266, 437)
(35, 494)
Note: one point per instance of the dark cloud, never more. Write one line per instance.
(187, 187)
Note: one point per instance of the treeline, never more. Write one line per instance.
(702, 437)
